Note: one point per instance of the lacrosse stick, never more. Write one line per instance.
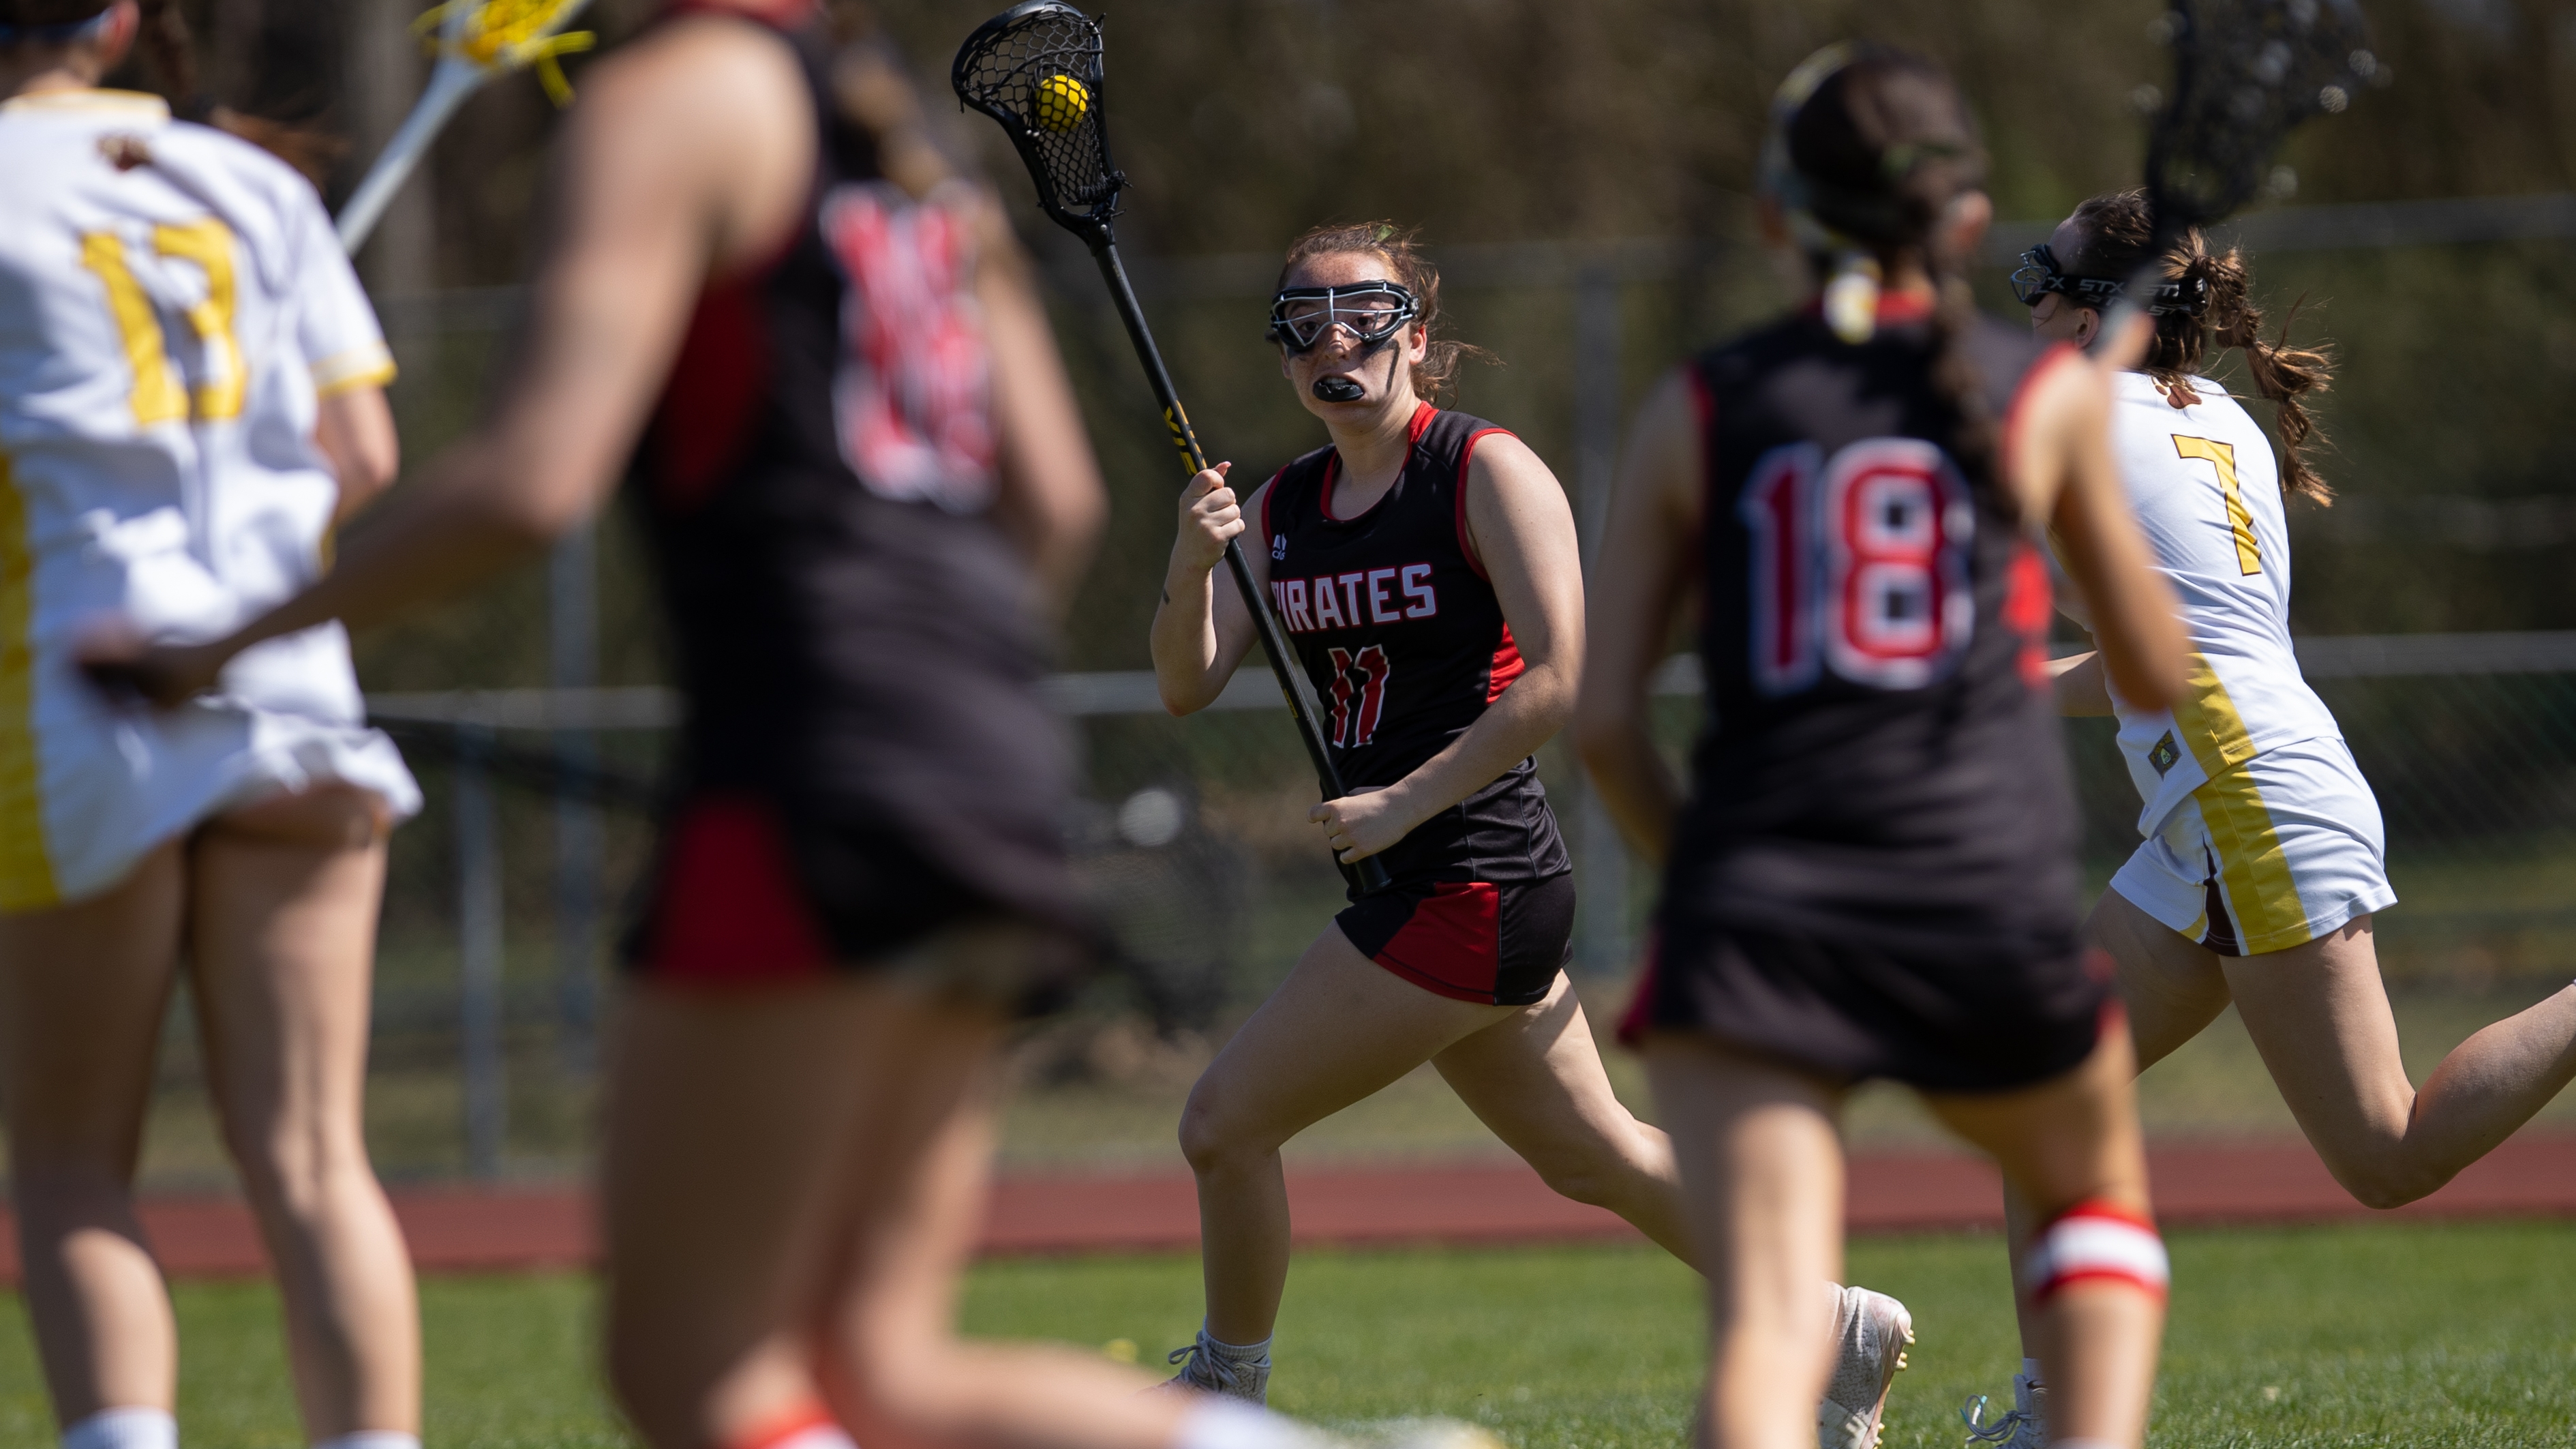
(2246, 74)
(476, 41)
(1036, 68)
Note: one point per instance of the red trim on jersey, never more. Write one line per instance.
(728, 910)
(1324, 493)
(2026, 612)
(1466, 455)
(786, 1427)
(1453, 945)
(1506, 667)
(2056, 356)
(718, 381)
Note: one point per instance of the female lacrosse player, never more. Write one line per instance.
(1875, 867)
(2262, 865)
(190, 397)
(1424, 563)
(867, 486)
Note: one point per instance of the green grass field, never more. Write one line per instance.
(2390, 1334)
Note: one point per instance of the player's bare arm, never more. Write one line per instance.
(1654, 513)
(1051, 501)
(686, 155)
(2063, 471)
(1202, 631)
(354, 429)
(1522, 532)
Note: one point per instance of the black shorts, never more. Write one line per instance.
(743, 895)
(1472, 940)
(1940, 1022)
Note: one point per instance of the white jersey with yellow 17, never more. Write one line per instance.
(2261, 833)
(172, 307)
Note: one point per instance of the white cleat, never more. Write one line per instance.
(2024, 1426)
(1871, 1331)
(1206, 1371)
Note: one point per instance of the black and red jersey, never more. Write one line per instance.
(1882, 760)
(856, 636)
(1398, 628)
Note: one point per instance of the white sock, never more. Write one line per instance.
(1215, 1423)
(124, 1429)
(2030, 1371)
(372, 1439)
(1239, 1352)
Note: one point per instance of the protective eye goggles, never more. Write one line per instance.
(2038, 275)
(1370, 311)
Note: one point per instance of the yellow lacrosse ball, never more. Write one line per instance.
(1062, 102)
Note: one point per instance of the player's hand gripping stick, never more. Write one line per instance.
(1036, 69)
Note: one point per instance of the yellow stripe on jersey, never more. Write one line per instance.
(26, 872)
(2253, 871)
(2240, 521)
(2211, 728)
(369, 366)
(159, 396)
(209, 244)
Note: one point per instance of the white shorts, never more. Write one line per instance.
(2272, 854)
(87, 790)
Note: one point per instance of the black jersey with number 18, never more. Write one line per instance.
(1398, 628)
(1876, 873)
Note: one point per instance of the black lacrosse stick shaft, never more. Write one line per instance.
(1293, 683)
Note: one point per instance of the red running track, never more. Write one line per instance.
(457, 1230)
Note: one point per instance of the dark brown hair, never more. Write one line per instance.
(1401, 250)
(2116, 230)
(1883, 147)
(49, 12)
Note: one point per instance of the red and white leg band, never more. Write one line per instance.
(809, 1426)
(2096, 1241)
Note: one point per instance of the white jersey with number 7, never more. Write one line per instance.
(172, 306)
(2208, 497)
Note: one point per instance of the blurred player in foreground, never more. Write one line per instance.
(869, 491)
(2263, 862)
(1425, 565)
(1875, 872)
(191, 397)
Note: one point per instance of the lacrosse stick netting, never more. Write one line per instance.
(2246, 74)
(1036, 69)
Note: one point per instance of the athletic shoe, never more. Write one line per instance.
(1210, 1372)
(2024, 1427)
(1871, 1331)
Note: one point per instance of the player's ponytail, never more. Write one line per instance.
(1872, 147)
(1401, 249)
(2116, 232)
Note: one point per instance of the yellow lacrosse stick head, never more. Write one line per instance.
(506, 35)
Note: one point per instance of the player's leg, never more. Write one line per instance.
(1339, 1028)
(2173, 988)
(1762, 1169)
(83, 989)
(2319, 1015)
(283, 900)
(1536, 1079)
(2072, 1149)
(793, 1177)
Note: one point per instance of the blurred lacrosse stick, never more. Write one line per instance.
(476, 41)
(1036, 69)
(2246, 74)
